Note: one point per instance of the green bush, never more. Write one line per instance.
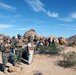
(52, 49)
(70, 58)
(70, 44)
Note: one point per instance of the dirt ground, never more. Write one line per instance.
(45, 63)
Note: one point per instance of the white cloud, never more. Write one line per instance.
(71, 18)
(67, 19)
(5, 26)
(23, 29)
(7, 7)
(9, 16)
(68, 26)
(73, 15)
(37, 6)
(52, 14)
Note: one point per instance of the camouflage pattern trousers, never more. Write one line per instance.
(6, 56)
(19, 54)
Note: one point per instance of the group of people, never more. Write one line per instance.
(45, 41)
(13, 48)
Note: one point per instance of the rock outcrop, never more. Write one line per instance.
(62, 41)
(31, 33)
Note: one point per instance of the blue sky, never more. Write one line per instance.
(47, 17)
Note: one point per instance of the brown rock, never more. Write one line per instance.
(56, 40)
(31, 33)
(51, 38)
(62, 41)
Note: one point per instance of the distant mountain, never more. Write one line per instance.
(71, 39)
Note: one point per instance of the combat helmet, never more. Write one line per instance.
(5, 38)
(13, 37)
(19, 35)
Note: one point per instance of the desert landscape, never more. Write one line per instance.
(44, 30)
(46, 64)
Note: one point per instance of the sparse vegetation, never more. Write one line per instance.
(71, 44)
(52, 49)
(70, 58)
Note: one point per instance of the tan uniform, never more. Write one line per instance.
(19, 45)
(20, 42)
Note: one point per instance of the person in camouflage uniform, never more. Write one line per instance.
(19, 45)
(5, 48)
(13, 43)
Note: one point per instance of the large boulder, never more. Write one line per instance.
(56, 40)
(62, 41)
(31, 33)
(51, 38)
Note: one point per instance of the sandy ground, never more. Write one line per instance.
(46, 64)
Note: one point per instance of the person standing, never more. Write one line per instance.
(30, 51)
(5, 48)
(19, 45)
(13, 43)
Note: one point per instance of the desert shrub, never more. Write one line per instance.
(70, 44)
(52, 49)
(70, 58)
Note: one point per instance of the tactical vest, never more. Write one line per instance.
(7, 49)
(32, 46)
(20, 42)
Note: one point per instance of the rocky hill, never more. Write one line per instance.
(32, 33)
(71, 39)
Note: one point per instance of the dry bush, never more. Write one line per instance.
(70, 58)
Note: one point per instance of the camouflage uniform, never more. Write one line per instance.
(19, 45)
(5, 48)
(13, 43)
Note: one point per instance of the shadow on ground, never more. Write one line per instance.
(62, 64)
